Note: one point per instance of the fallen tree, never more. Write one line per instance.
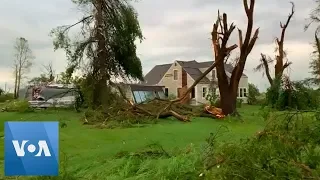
(125, 110)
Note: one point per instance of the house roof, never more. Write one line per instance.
(155, 75)
(139, 87)
(191, 67)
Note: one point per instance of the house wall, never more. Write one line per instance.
(172, 85)
(168, 81)
(209, 75)
(199, 98)
(243, 83)
(126, 89)
(190, 81)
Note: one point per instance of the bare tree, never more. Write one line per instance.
(22, 62)
(49, 71)
(221, 32)
(281, 54)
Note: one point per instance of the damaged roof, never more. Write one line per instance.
(191, 67)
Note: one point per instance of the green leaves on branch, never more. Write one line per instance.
(120, 29)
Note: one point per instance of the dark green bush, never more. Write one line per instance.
(253, 94)
(212, 97)
(239, 102)
(292, 95)
(6, 97)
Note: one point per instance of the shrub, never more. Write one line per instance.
(212, 97)
(6, 97)
(239, 102)
(17, 106)
(288, 148)
(253, 94)
(293, 95)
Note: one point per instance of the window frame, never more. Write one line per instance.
(166, 92)
(175, 78)
(193, 93)
(245, 93)
(214, 74)
(242, 92)
(204, 93)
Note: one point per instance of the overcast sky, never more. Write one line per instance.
(174, 29)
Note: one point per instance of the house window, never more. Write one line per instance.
(141, 96)
(204, 92)
(166, 92)
(193, 93)
(175, 74)
(213, 74)
(243, 92)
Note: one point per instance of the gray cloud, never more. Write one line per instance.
(178, 29)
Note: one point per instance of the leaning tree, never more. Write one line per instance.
(106, 45)
(281, 62)
(228, 86)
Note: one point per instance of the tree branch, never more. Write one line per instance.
(266, 66)
(67, 27)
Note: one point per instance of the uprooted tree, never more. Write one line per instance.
(220, 35)
(281, 62)
(108, 33)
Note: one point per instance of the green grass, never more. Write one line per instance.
(91, 151)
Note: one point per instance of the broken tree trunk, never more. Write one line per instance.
(228, 86)
(280, 65)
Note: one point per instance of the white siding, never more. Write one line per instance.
(199, 95)
(168, 82)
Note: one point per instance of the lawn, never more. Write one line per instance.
(90, 152)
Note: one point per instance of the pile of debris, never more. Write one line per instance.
(128, 112)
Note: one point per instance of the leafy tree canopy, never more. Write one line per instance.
(120, 28)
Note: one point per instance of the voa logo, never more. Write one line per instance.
(31, 148)
(42, 147)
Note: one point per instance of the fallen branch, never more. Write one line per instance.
(139, 109)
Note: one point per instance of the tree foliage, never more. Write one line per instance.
(1, 91)
(252, 94)
(314, 17)
(42, 79)
(315, 62)
(287, 148)
(285, 94)
(108, 34)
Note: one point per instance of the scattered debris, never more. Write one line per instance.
(217, 112)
